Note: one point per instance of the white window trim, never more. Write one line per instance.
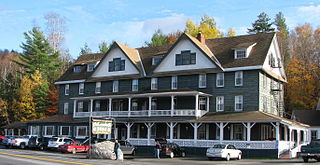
(98, 86)
(115, 86)
(66, 108)
(88, 70)
(77, 131)
(154, 83)
(204, 80)
(66, 89)
(235, 78)
(217, 101)
(217, 84)
(45, 130)
(174, 80)
(240, 49)
(60, 132)
(235, 103)
(135, 85)
(81, 86)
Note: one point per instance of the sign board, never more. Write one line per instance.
(101, 126)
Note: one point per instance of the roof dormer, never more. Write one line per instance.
(243, 50)
(77, 68)
(92, 66)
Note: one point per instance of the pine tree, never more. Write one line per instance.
(261, 25)
(157, 39)
(38, 55)
(103, 47)
(85, 49)
(283, 38)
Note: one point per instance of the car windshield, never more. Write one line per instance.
(53, 139)
(315, 142)
(219, 146)
(68, 143)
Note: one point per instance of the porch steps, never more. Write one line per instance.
(285, 155)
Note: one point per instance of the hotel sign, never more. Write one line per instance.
(101, 126)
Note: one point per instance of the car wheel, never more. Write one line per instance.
(318, 159)
(305, 159)
(133, 153)
(74, 151)
(209, 158)
(41, 148)
(183, 154)
(228, 157)
(171, 154)
(22, 146)
(239, 157)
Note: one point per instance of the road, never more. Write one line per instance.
(30, 157)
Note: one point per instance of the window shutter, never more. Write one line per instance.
(111, 66)
(178, 59)
(122, 67)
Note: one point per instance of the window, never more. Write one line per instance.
(90, 67)
(116, 65)
(34, 130)
(202, 103)
(80, 106)
(49, 130)
(202, 80)
(98, 87)
(174, 82)
(66, 89)
(97, 107)
(81, 131)
(134, 105)
(238, 132)
(154, 104)
(238, 103)
(185, 58)
(65, 108)
(81, 88)
(154, 83)
(135, 86)
(220, 80)
(314, 135)
(156, 60)
(272, 61)
(264, 79)
(64, 131)
(238, 78)
(77, 68)
(240, 53)
(219, 103)
(115, 86)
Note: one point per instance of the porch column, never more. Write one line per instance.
(110, 106)
(221, 127)
(208, 103)
(6, 132)
(195, 132)
(149, 126)
(171, 125)
(91, 106)
(248, 126)
(150, 101)
(197, 106)
(276, 126)
(298, 136)
(172, 105)
(128, 129)
(129, 106)
(19, 132)
(74, 107)
(285, 132)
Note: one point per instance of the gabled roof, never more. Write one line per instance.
(310, 117)
(132, 54)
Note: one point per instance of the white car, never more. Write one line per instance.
(225, 151)
(55, 142)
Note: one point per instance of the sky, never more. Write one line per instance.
(133, 22)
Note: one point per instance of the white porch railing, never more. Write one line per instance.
(141, 113)
(209, 143)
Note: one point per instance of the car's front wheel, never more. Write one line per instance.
(228, 157)
(74, 151)
(22, 146)
(305, 159)
(210, 158)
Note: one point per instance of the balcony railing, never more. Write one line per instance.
(141, 113)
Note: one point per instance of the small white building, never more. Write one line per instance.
(310, 117)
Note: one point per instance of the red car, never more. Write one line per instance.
(73, 147)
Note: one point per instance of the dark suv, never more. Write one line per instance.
(40, 143)
(170, 149)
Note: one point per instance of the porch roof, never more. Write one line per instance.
(157, 93)
(59, 118)
(15, 125)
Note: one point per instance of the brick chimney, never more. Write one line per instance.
(201, 38)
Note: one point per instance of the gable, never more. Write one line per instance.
(114, 55)
(168, 64)
(273, 61)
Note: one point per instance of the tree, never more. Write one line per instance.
(55, 29)
(283, 37)
(85, 49)
(104, 47)
(231, 32)
(4, 115)
(40, 92)
(157, 39)
(207, 27)
(52, 108)
(38, 55)
(173, 37)
(261, 25)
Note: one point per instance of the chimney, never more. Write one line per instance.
(201, 38)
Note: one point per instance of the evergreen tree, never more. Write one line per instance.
(283, 37)
(261, 25)
(104, 47)
(38, 55)
(40, 93)
(157, 39)
(85, 49)
(280, 22)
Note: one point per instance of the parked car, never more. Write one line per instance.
(55, 142)
(7, 141)
(40, 143)
(225, 151)
(74, 147)
(1, 138)
(126, 148)
(311, 151)
(170, 149)
(20, 141)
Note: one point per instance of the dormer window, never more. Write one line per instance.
(156, 59)
(240, 53)
(243, 50)
(90, 67)
(117, 65)
(77, 68)
(185, 58)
